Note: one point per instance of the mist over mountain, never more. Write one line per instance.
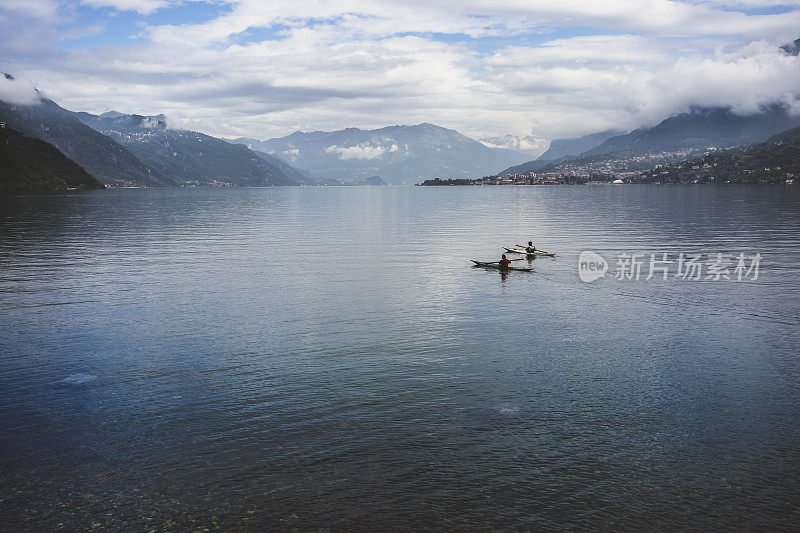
(399, 154)
(189, 157)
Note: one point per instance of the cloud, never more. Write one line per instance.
(361, 151)
(144, 7)
(480, 18)
(526, 67)
(745, 80)
(568, 84)
(28, 30)
(20, 92)
(291, 153)
(38, 9)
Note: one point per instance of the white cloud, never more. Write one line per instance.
(291, 153)
(361, 151)
(40, 9)
(476, 18)
(745, 80)
(20, 92)
(626, 95)
(144, 7)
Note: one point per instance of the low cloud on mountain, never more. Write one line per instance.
(21, 92)
(361, 151)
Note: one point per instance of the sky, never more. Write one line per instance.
(536, 69)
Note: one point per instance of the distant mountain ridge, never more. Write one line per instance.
(102, 157)
(701, 128)
(189, 157)
(677, 137)
(560, 148)
(399, 154)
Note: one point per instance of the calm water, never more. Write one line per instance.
(310, 358)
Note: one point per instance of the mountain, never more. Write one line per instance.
(189, 157)
(533, 146)
(529, 166)
(792, 49)
(28, 164)
(699, 129)
(676, 138)
(400, 154)
(99, 155)
(372, 181)
(560, 148)
(285, 167)
(122, 122)
(788, 137)
(772, 161)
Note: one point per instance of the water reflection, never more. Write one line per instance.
(322, 357)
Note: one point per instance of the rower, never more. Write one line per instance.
(504, 263)
(530, 248)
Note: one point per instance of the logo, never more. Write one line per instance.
(591, 266)
(664, 266)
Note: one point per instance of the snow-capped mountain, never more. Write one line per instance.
(530, 144)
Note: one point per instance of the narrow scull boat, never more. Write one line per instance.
(498, 267)
(535, 252)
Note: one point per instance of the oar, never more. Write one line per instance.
(497, 262)
(538, 250)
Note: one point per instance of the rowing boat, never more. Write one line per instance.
(498, 267)
(535, 252)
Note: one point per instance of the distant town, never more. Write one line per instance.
(760, 163)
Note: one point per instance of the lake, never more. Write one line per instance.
(327, 358)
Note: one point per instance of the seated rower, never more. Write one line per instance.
(530, 248)
(504, 263)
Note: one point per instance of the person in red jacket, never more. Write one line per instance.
(504, 263)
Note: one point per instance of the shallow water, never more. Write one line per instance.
(305, 358)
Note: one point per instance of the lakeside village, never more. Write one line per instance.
(684, 166)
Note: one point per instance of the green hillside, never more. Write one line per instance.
(773, 161)
(30, 164)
